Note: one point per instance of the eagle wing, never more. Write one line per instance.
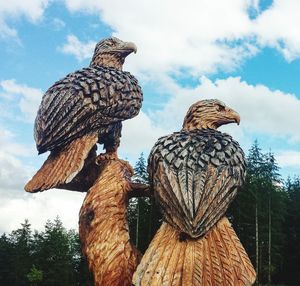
(195, 176)
(91, 100)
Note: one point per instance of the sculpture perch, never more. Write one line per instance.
(195, 175)
(103, 226)
(82, 109)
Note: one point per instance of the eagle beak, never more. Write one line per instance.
(129, 47)
(233, 115)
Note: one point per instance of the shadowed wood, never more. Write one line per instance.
(218, 258)
(195, 175)
(92, 100)
(103, 226)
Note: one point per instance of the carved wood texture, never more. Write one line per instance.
(103, 227)
(195, 176)
(217, 259)
(83, 108)
(92, 100)
(61, 167)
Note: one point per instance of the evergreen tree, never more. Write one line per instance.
(291, 258)
(51, 257)
(258, 214)
(6, 262)
(143, 213)
(54, 257)
(265, 214)
(21, 240)
(80, 266)
(34, 276)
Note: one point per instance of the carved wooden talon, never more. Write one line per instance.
(106, 157)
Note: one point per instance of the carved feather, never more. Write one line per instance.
(218, 258)
(195, 175)
(62, 166)
(90, 100)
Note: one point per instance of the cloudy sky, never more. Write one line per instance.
(244, 52)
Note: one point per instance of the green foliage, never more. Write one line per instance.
(291, 259)
(264, 203)
(55, 251)
(35, 276)
(144, 217)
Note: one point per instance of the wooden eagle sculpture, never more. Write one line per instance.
(195, 175)
(82, 109)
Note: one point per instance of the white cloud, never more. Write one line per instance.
(58, 24)
(262, 110)
(29, 97)
(199, 37)
(16, 205)
(77, 48)
(38, 208)
(31, 9)
(6, 31)
(277, 27)
(13, 172)
(139, 135)
(288, 158)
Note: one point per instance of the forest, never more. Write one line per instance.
(265, 215)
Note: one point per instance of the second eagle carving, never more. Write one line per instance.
(195, 175)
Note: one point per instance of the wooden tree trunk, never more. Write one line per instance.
(103, 226)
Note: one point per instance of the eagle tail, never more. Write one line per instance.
(63, 165)
(218, 258)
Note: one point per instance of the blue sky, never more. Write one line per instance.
(244, 52)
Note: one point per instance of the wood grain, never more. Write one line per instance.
(84, 108)
(62, 166)
(218, 258)
(103, 226)
(195, 175)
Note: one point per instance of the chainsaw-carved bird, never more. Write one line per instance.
(195, 174)
(82, 109)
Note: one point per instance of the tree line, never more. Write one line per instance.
(265, 215)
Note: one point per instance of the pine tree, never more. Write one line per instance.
(6, 261)
(258, 214)
(54, 256)
(21, 240)
(143, 213)
(291, 258)
(34, 276)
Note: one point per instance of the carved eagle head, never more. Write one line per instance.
(209, 113)
(112, 52)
